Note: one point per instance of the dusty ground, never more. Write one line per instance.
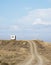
(25, 52)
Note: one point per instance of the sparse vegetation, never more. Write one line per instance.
(13, 52)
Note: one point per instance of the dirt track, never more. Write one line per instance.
(38, 57)
(34, 55)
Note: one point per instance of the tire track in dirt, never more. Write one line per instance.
(39, 58)
(34, 55)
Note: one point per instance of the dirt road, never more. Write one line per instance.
(34, 55)
(38, 57)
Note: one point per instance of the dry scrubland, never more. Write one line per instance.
(15, 52)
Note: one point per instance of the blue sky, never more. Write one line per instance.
(27, 19)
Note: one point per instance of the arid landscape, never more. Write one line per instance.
(22, 52)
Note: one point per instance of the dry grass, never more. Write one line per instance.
(13, 52)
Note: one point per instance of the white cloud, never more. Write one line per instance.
(39, 21)
(37, 16)
(34, 17)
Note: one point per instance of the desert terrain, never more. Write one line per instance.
(25, 52)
